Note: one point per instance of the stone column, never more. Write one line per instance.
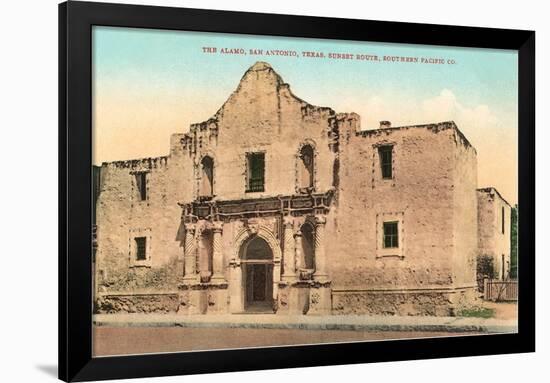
(217, 253)
(298, 250)
(289, 260)
(236, 289)
(190, 254)
(320, 250)
(276, 277)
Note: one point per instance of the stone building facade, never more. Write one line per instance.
(495, 218)
(276, 205)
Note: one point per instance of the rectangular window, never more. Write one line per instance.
(386, 165)
(141, 182)
(391, 236)
(141, 248)
(502, 220)
(256, 171)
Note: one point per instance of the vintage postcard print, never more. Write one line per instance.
(263, 191)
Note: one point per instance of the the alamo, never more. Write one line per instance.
(275, 205)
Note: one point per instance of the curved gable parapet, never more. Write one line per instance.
(260, 84)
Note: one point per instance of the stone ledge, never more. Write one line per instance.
(104, 294)
(324, 322)
(397, 290)
(305, 283)
(204, 286)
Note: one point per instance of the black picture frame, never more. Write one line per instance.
(75, 191)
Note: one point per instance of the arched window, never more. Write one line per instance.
(306, 167)
(308, 246)
(207, 177)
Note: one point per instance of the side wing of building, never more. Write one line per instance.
(138, 237)
(494, 240)
(406, 223)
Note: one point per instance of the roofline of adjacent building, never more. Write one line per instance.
(133, 161)
(443, 125)
(437, 126)
(489, 189)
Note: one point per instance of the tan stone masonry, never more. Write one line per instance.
(275, 205)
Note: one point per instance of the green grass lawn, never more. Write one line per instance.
(477, 312)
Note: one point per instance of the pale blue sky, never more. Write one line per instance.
(175, 58)
(150, 83)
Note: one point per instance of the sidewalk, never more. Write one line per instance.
(329, 322)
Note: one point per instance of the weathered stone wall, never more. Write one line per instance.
(430, 181)
(144, 303)
(431, 195)
(492, 241)
(122, 216)
(405, 302)
(465, 219)
(420, 179)
(392, 303)
(262, 115)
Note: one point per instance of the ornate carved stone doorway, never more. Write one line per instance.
(257, 263)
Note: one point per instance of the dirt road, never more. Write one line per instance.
(136, 340)
(503, 310)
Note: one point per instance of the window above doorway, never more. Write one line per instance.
(255, 166)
